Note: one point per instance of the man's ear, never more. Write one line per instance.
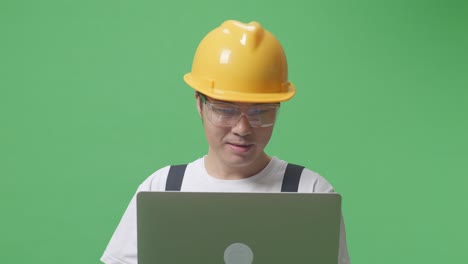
(199, 106)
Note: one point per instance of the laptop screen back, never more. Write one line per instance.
(238, 228)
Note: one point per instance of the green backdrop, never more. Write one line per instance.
(92, 101)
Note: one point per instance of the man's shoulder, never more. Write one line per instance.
(311, 181)
(284, 164)
(157, 179)
(165, 170)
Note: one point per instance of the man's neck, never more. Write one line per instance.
(220, 170)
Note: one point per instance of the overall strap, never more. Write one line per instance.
(292, 175)
(175, 177)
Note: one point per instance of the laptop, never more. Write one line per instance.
(238, 228)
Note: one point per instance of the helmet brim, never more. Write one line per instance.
(232, 96)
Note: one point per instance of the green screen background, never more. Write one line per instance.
(92, 102)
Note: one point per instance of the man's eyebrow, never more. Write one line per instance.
(211, 100)
(219, 102)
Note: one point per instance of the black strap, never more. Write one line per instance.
(175, 177)
(290, 183)
(291, 178)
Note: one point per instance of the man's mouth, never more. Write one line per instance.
(240, 147)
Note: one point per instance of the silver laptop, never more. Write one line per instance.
(238, 228)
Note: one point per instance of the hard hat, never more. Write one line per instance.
(241, 63)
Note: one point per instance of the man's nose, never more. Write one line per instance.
(243, 127)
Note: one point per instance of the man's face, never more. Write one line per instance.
(238, 145)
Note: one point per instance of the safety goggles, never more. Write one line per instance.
(228, 115)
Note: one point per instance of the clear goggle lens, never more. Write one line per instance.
(228, 115)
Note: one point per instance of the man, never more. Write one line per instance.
(239, 74)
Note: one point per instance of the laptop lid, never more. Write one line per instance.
(238, 228)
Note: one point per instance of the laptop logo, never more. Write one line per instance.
(238, 253)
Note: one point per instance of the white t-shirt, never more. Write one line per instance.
(122, 247)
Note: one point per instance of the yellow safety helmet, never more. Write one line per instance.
(241, 63)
